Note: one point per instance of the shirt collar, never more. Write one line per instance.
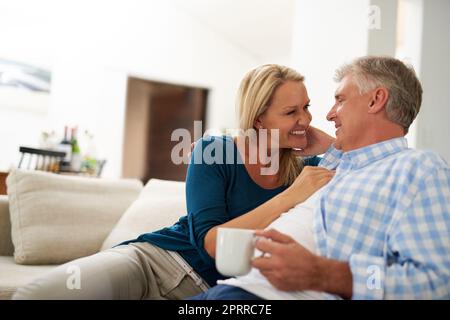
(363, 156)
(331, 158)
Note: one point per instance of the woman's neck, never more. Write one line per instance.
(253, 154)
(255, 167)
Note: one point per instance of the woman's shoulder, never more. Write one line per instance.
(312, 161)
(220, 140)
(214, 150)
(215, 142)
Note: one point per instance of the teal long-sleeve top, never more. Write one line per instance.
(218, 189)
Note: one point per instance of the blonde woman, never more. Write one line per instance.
(226, 186)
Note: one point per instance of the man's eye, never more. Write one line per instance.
(290, 112)
(307, 106)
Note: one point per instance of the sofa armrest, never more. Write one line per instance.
(6, 245)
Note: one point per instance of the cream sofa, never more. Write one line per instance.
(49, 219)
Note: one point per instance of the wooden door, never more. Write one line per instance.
(169, 111)
(154, 110)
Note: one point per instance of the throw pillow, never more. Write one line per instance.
(57, 218)
(160, 204)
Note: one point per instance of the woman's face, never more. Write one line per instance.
(289, 113)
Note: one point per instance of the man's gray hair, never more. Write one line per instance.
(405, 90)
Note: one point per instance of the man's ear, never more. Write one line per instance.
(378, 100)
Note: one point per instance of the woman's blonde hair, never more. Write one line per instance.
(254, 97)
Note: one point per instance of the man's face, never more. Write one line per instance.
(350, 115)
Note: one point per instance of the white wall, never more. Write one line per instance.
(433, 129)
(382, 32)
(92, 46)
(397, 37)
(409, 45)
(22, 120)
(23, 114)
(327, 33)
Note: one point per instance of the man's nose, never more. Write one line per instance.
(331, 114)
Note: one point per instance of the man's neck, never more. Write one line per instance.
(373, 135)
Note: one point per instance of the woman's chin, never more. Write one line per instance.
(297, 142)
(297, 152)
(296, 146)
(302, 145)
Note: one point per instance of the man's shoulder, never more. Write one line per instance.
(425, 157)
(419, 163)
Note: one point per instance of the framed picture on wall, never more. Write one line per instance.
(24, 87)
(24, 76)
(25, 98)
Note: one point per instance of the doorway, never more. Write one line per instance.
(154, 110)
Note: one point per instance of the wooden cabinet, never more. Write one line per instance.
(3, 176)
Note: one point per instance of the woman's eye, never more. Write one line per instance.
(290, 112)
(307, 106)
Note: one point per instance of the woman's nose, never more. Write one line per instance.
(303, 121)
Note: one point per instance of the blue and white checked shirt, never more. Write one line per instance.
(387, 213)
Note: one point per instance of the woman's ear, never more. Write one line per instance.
(257, 124)
(378, 100)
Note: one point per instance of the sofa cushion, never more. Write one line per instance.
(56, 218)
(160, 204)
(13, 275)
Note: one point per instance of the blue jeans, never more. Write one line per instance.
(225, 292)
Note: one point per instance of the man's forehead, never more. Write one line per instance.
(339, 89)
(346, 82)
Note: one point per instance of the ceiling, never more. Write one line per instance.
(263, 28)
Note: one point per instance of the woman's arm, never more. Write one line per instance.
(309, 181)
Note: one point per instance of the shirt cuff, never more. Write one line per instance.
(368, 274)
(331, 158)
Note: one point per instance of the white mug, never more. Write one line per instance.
(234, 251)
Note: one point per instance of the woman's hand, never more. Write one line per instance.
(308, 182)
(318, 143)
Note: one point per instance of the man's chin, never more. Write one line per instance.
(337, 145)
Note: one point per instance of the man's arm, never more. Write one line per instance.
(417, 266)
(418, 248)
(336, 277)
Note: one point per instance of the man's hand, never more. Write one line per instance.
(289, 266)
(286, 264)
